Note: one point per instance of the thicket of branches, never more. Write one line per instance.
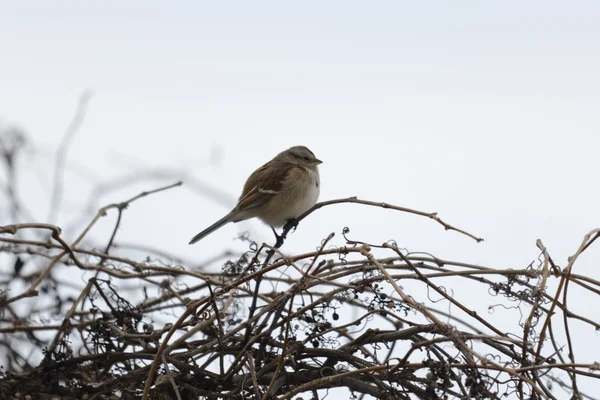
(265, 324)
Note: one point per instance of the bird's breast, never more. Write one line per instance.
(302, 193)
(305, 193)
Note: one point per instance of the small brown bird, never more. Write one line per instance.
(279, 191)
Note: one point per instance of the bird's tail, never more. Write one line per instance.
(212, 228)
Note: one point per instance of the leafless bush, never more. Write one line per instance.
(270, 325)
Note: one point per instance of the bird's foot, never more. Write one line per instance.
(291, 224)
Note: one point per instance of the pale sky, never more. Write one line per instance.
(486, 112)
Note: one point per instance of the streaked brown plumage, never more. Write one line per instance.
(277, 192)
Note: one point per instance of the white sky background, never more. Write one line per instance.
(486, 112)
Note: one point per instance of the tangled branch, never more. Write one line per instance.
(366, 320)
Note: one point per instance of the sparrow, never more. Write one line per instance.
(278, 192)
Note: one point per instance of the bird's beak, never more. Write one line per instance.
(316, 161)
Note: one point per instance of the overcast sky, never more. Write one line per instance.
(486, 112)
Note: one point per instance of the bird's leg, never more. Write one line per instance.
(291, 224)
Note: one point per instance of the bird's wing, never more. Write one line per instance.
(264, 183)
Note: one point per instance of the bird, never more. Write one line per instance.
(277, 192)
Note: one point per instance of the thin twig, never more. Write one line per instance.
(61, 155)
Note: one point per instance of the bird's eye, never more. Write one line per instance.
(306, 158)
